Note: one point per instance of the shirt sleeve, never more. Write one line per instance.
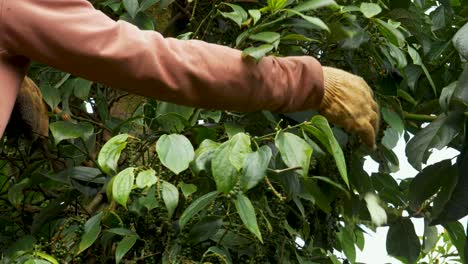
(72, 36)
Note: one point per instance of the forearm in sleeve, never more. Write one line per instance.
(74, 37)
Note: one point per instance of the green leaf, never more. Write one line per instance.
(429, 181)
(393, 119)
(204, 229)
(255, 14)
(332, 183)
(246, 212)
(436, 135)
(313, 20)
(122, 186)
(239, 148)
(146, 178)
(268, 37)
(170, 196)
(81, 88)
(149, 201)
(391, 33)
(195, 207)
(238, 15)
(92, 229)
(131, 6)
(221, 254)
(295, 151)
(175, 152)
(321, 130)
(121, 232)
(313, 4)
(402, 241)
(146, 4)
(50, 94)
(255, 167)
(460, 41)
(370, 9)
(455, 207)
(123, 247)
(187, 189)
(430, 238)
(274, 5)
(346, 238)
(62, 130)
(257, 52)
(418, 61)
(203, 155)
(224, 173)
(110, 153)
(458, 237)
(15, 192)
(446, 96)
(461, 91)
(47, 257)
(398, 55)
(166, 108)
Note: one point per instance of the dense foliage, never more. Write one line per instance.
(129, 179)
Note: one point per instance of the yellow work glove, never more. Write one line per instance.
(348, 102)
(30, 114)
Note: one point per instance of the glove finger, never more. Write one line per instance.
(374, 121)
(367, 134)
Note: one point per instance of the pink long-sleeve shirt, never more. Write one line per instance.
(72, 36)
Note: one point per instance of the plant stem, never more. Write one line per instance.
(419, 117)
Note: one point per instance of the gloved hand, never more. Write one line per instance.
(348, 102)
(30, 116)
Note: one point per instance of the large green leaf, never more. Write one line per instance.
(321, 130)
(246, 212)
(255, 167)
(110, 153)
(429, 181)
(170, 196)
(238, 15)
(456, 207)
(458, 237)
(295, 151)
(461, 91)
(392, 33)
(268, 37)
(92, 229)
(436, 135)
(402, 241)
(239, 149)
(81, 88)
(195, 207)
(347, 241)
(123, 247)
(204, 229)
(203, 156)
(131, 6)
(168, 108)
(370, 9)
(146, 178)
(63, 130)
(313, 4)
(460, 41)
(122, 186)
(418, 61)
(224, 173)
(257, 52)
(276, 4)
(175, 152)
